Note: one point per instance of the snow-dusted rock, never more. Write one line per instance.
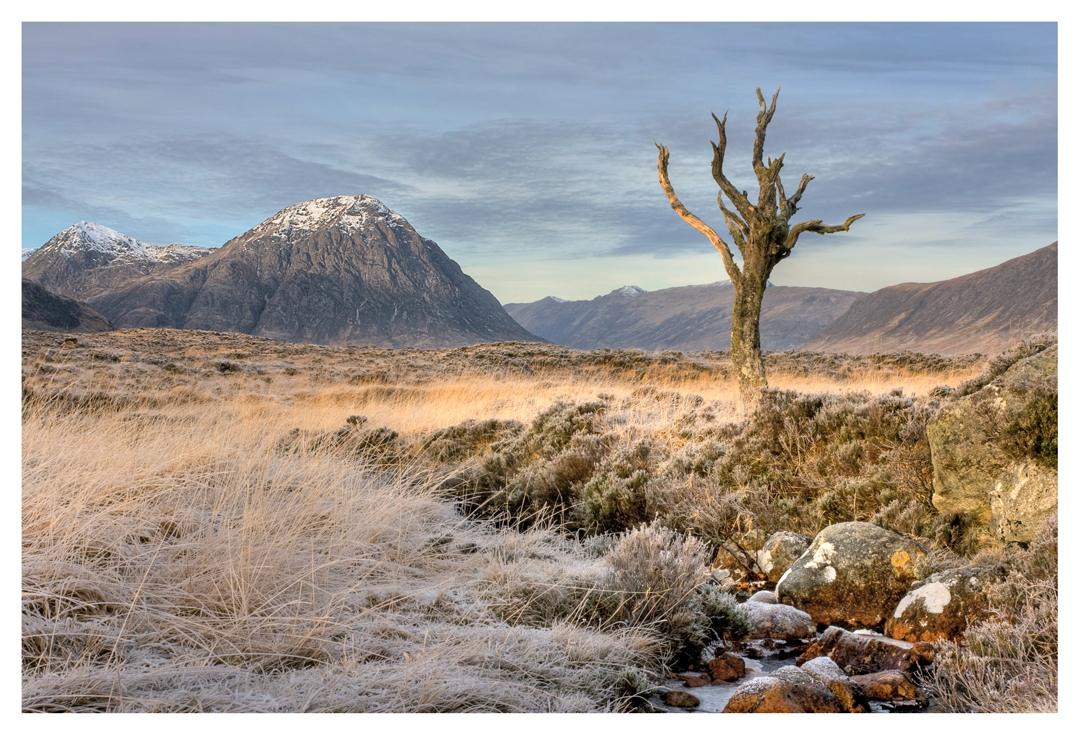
(777, 621)
(787, 690)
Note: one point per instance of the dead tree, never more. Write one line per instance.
(763, 235)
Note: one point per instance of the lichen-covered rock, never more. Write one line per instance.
(848, 693)
(862, 652)
(1021, 499)
(764, 597)
(967, 455)
(777, 621)
(727, 666)
(942, 606)
(787, 690)
(886, 685)
(780, 551)
(854, 573)
(680, 699)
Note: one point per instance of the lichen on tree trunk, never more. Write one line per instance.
(763, 235)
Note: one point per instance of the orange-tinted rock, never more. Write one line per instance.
(727, 666)
(695, 681)
(857, 653)
(680, 699)
(778, 695)
(848, 693)
(942, 606)
(886, 685)
(854, 573)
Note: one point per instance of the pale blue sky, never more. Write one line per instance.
(525, 150)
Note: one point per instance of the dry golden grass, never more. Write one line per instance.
(174, 560)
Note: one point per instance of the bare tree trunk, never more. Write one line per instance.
(762, 234)
(744, 344)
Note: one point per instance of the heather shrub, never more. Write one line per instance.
(1009, 662)
(655, 574)
(615, 497)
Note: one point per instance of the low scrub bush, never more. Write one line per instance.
(1008, 663)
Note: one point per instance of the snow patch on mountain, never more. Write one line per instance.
(343, 211)
(628, 291)
(27, 252)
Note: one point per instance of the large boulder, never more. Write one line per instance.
(942, 606)
(1024, 495)
(854, 573)
(779, 552)
(787, 690)
(777, 621)
(862, 652)
(968, 451)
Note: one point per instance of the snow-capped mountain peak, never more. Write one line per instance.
(349, 211)
(90, 236)
(108, 245)
(628, 291)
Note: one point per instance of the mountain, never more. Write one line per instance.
(695, 317)
(87, 260)
(341, 270)
(47, 311)
(986, 311)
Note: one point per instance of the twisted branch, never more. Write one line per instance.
(817, 226)
(663, 177)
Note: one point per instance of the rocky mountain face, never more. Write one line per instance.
(46, 311)
(87, 260)
(689, 318)
(341, 270)
(987, 311)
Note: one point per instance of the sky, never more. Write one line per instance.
(527, 151)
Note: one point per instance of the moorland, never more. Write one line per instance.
(222, 522)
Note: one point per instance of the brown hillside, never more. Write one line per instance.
(986, 311)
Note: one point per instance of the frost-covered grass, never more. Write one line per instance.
(177, 562)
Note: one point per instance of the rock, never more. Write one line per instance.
(862, 652)
(887, 685)
(1021, 499)
(780, 551)
(680, 699)
(777, 621)
(942, 606)
(967, 456)
(787, 690)
(764, 597)
(854, 573)
(727, 666)
(848, 693)
(695, 681)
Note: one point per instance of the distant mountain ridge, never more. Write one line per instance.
(339, 270)
(87, 259)
(986, 311)
(688, 318)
